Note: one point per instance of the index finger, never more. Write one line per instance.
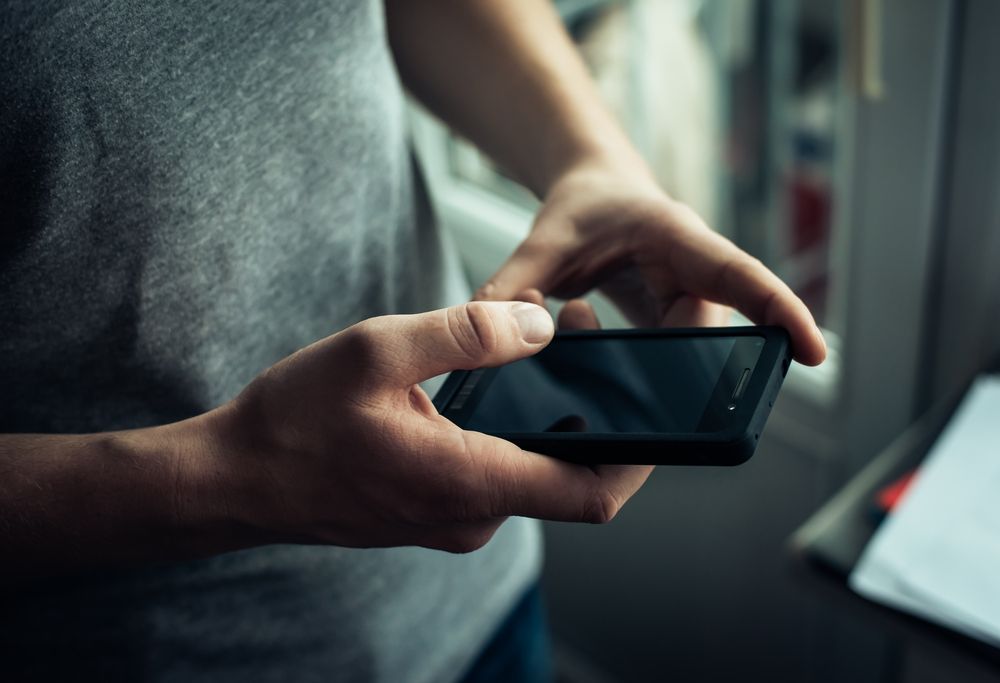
(749, 286)
(514, 482)
(719, 271)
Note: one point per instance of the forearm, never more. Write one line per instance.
(506, 75)
(72, 503)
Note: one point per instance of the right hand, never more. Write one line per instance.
(338, 444)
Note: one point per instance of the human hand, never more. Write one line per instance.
(611, 227)
(338, 443)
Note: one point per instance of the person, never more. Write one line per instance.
(192, 487)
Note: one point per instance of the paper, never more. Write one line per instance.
(938, 554)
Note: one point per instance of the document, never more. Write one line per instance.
(937, 555)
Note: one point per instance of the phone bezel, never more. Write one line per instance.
(731, 445)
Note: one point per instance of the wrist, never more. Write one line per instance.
(211, 496)
(609, 164)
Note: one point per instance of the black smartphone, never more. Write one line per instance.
(697, 396)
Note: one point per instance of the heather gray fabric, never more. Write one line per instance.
(189, 191)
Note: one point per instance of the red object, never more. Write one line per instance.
(810, 209)
(889, 496)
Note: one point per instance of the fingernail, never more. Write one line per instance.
(535, 322)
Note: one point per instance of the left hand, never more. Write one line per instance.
(614, 229)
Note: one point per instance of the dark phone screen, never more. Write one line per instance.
(616, 385)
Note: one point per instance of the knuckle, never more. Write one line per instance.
(602, 507)
(361, 342)
(503, 483)
(464, 542)
(485, 292)
(679, 209)
(752, 263)
(473, 328)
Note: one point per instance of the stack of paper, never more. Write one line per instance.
(938, 554)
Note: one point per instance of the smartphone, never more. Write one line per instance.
(697, 396)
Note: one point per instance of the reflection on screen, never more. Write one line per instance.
(606, 386)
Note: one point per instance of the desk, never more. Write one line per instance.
(829, 544)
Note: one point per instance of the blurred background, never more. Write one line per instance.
(853, 146)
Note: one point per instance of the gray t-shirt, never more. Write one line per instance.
(189, 191)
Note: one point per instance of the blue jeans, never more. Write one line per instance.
(520, 651)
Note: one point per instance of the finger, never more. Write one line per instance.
(402, 350)
(690, 311)
(578, 314)
(721, 272)
(532, 296)
(720, 316)
(531, 266)
(763, 297)
(514, 482)
(623, 480)
(462, 537)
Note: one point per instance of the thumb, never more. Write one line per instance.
(407, 349)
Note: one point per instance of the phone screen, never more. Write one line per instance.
(612, 385)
